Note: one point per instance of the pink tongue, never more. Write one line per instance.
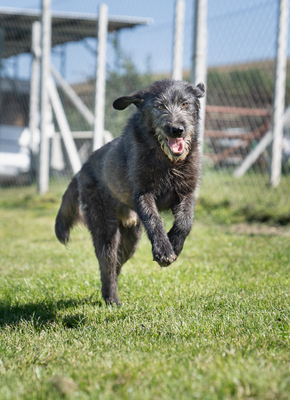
(176, 145)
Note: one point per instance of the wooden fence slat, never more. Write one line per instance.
(261, 112)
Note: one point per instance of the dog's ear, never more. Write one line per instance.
(201, 89)
(198, 91)
(123, 102)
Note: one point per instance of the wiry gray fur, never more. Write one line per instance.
(154, 165)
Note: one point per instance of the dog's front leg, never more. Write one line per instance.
(183, 218)
(147, 210)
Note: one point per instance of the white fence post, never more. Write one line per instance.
(34, 113)
(279, 96)
(1, 50)
(1, 42)
(100, 77)
(68, 140)
(199, 59)
(178, 40)
(45, 113)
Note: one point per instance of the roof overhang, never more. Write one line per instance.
(66, 27)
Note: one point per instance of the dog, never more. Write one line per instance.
(153, 166)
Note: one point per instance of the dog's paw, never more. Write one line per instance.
(164, 255)
(112, 300)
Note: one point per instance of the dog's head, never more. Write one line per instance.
(170, 109)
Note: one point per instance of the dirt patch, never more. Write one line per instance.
(260, 229)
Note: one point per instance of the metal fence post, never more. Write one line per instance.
(199, 59)
(1, 44)
(100, 78)
(178, 40)
(279, 95)
(45, 113)
(35, 91)
(1, 50)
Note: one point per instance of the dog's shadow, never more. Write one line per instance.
(45, 313)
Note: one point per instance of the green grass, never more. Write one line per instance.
(249, 199)
(214, 325)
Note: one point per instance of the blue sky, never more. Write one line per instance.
(238, 31)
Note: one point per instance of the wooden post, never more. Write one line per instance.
(178, 40)
(279, 96)
(45, 113)
(199, 59)
(100, 77)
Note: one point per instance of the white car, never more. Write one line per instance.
(15, 154)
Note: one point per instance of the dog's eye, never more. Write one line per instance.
(185, 104)
(160, 106)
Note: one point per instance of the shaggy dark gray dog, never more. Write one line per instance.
(153, 166)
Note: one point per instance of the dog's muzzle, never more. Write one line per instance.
(176, 148)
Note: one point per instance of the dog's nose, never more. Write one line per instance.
(176, 131)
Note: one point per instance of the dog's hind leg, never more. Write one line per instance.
(130, 237)
(103, 225)
(106, 248)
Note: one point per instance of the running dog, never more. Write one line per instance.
(153, 166)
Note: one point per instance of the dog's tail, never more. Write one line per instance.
(68, 214)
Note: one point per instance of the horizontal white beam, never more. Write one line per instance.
(89, 135)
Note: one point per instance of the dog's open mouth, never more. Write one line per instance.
(176, 149)
(176, 146)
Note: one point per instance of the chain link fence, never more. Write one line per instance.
(239, 103)
(240, 88)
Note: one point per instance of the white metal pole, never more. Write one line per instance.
(75, 99)
(178, 40)
(45, 111)
(35, 88)
(253, 155)
(279, 95)
(1, 42)
(100, 77)
(199, 59)
(1, 50)
(258, 150)
(69, 143)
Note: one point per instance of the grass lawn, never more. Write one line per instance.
(213, 325)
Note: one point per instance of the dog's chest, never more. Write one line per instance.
(166, 200)
(170, 186)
